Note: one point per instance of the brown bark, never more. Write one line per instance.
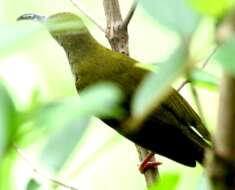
(117, 35)
(221, 160)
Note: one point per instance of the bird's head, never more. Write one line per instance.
(64, 27)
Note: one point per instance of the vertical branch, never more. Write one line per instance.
(117, 35)
(221, 161)
(225, 142)
(112, 12)
(152, 173)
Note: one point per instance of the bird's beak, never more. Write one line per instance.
(32, 16)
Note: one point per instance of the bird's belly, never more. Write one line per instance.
(164, 140)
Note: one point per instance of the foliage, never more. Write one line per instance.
(57, 126)
(169, 181)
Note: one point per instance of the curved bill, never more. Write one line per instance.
(32, 16)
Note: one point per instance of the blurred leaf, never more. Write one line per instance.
(167, 181)
(102, 150)
(15, 36)
(203, 183)
(6, 168)
(177, 15)
(226, 57)
(205, 79)
(155, 85)
(35, 103)
(32, 185)
(215, 8)
(103, 95)
(7, 118)
(62, 142)
(148, 67)
(99, 100)
(62, 23)
(35, 100)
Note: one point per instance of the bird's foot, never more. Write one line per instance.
(148, 164)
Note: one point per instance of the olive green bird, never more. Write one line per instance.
(173, 130)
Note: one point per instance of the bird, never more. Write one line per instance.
(173, 129)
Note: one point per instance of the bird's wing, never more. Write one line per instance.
(185, 113)
(168, 116)
(129, 76)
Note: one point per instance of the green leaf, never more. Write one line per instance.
(226, 57)
(32, 185)
(177, 15)
(148, 67)
(15, 36)
(103, 95)
(7, 164)
(73, 118)
(103, 149)
(92, 99)
(214, 8)
(7, 118)
(205, 79)
(155, 85)
(62, 142)
(167, 181)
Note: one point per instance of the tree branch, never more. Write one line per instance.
(130, 14)
(221, 160)
(118, 38)
(151, 173)
(202, 67)
(116, 35)
(39, 173)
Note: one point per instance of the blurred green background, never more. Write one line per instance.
(37, 93)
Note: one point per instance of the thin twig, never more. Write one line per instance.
(182, 85)
(192, 88)
(130, 14)
(196, 99)
(209, 57)
(39, 173)
(78, 6)
(202, 67)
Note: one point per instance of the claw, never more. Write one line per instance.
(148, 164)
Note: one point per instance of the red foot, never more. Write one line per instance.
(148, 164)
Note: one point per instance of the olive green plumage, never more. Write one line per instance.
(173, 130)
